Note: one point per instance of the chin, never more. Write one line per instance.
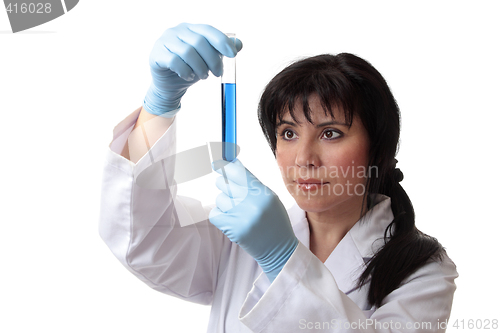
(314, 205)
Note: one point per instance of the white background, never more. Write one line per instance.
(65, 85)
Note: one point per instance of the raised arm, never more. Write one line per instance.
(140, 221)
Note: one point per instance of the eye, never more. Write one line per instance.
(288, 135)
(331, 134)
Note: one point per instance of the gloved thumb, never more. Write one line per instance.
(237, 44)
(235, 172)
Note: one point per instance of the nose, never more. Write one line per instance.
(307, 155)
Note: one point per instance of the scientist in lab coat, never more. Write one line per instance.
(346, 257)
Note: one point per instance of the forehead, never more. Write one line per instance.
(317, 112)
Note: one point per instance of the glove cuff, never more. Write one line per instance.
(274, 268)
(155, 104)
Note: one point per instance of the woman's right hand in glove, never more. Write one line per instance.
(180, 57)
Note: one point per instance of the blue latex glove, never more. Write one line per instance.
(252, 216)
(181, 57)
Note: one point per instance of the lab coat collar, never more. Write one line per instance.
(347, 261)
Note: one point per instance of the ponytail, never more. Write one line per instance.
(406, 248)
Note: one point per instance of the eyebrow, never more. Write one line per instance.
(317, 126)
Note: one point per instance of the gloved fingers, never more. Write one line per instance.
(162, 58)
(224, 202)
(183, 49)
(230, 188)
(226, 46)
(209, 56)
(236, 172)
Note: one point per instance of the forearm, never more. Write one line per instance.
(147, 130)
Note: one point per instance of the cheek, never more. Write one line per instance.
(285, 161)
(351, 163)
(356, 157)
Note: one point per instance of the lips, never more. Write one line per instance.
(309, 184)
(310, 181)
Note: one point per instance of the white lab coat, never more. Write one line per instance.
(199, 264)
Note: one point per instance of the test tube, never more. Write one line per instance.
(229, 106)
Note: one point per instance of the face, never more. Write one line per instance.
(325, 164)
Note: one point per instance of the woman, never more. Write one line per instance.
(346, 258)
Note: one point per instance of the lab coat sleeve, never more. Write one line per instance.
(140, 223)
(305, 297)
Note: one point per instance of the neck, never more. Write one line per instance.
(327, 228)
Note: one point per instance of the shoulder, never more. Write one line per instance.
(436, 268)
(433, 282)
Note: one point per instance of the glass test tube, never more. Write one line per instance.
(229, 107)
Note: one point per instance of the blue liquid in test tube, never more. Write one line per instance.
(229, 121)
(229, 107)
